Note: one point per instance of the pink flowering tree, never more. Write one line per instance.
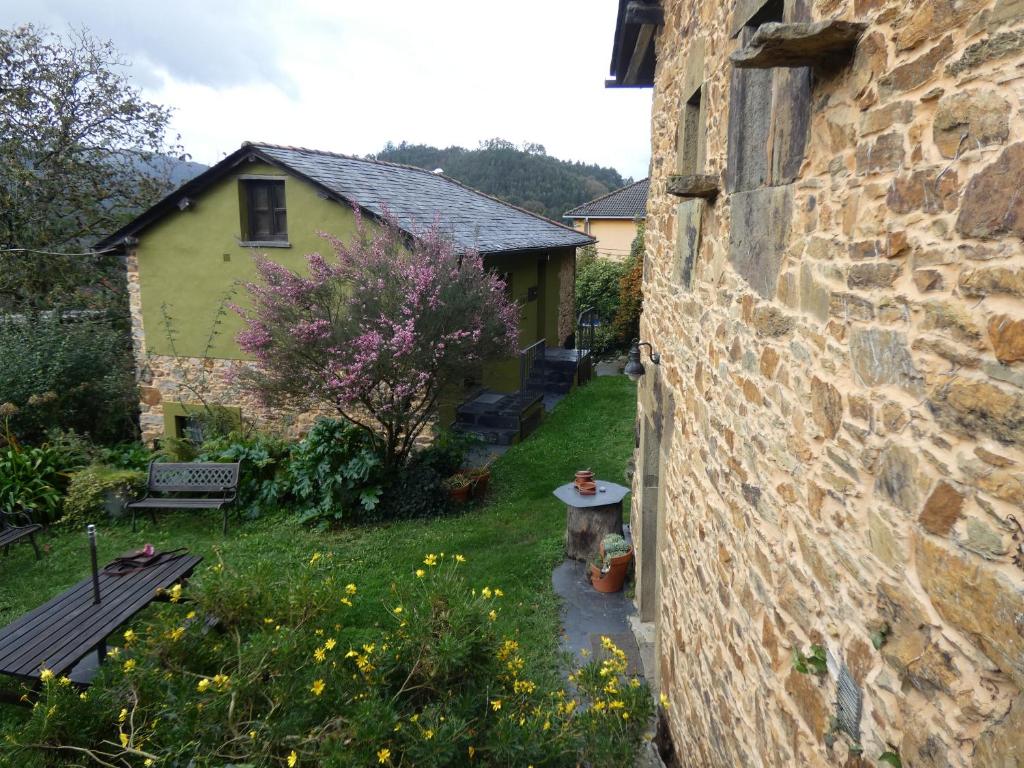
(378, 332)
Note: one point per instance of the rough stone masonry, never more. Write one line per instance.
(831, 453)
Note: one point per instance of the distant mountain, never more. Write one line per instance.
(176, 170)
(525, 176)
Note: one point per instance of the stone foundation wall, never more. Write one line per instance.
(831, 450)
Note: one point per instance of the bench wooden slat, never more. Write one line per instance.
(69, 619)
(67, 628)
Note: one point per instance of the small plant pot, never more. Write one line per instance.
(481, 481)
(114, 503)
(460, 495)
(584, 476)
(612, 579)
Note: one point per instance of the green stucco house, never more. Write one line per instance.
(190, 252)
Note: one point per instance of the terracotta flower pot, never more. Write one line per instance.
(584, 476)
(480, 483)
(460, 495)
(612, 579)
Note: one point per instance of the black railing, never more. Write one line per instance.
(586, 322)
(531, 361)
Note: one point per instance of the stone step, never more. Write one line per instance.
(488, 435)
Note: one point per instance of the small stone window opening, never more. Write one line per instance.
(692, 136)
(190, 429)
(769, 116)
(264, 214)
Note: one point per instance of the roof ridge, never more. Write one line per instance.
(442, 175)
(342, 155)
(607, 195)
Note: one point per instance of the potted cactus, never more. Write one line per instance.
(609, 569)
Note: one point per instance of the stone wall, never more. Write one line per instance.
(831, 451)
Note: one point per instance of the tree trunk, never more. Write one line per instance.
(586, 527)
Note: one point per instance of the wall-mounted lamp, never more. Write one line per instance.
(635, 368)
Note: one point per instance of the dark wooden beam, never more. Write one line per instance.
(821, 43)
(694, 185)
(644, 13)
(644, 40)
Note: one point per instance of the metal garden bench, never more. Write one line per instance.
(11, 533)
(188, 486)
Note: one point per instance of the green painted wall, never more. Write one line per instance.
(190, 259)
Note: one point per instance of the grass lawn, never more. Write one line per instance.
(512, 541)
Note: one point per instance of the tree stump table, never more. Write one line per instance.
(590, 518)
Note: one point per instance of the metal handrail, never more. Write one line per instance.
(528, 359)
(585, 324)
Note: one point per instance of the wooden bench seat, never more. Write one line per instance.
(194, 485)
(9, 533)
(62, 632)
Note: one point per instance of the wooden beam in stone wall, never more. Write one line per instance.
(821, 43)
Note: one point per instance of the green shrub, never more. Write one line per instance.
(263, 480)
(32, 478)
(336, 473)
(67, 375)
(447, 454)
(306, 668)
(91, 487)
(415, 490)
(131, 455)
(597, 285)
(626, 324)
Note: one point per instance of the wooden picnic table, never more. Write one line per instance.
(60, 633)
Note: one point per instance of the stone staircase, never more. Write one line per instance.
(506, 418)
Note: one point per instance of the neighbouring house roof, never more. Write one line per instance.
(413, 196)
(629, 202)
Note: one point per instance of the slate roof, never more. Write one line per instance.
(629, 202)
(415, 197)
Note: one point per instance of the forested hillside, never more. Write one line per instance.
(525, 176)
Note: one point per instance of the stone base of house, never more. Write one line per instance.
(195, 381)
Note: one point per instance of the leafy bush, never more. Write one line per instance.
(263, 480)
(597, 285)
(336, 473)
(626, 324)
(127, 456)
(32, 479)
(416, 490)
(67, 375)
(447, 454)
(311, 672)
(90, 488)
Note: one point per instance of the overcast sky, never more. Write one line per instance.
(350, 75)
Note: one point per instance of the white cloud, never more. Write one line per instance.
(349, 76)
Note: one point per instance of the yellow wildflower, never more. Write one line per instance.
(293, 759)
(268, 620)
(221, 681)
(472, 751)
(46, 675)
(64, 681)
(329, 643)
(498, 592)
(314, 558)
(252, 734)
(460, 559)
(430, 559)
(663, 700)
(319, 655)
(317, 688)
(129, 665)
(176, 593)
(350, 589)
(492, 615)
(122, 715)
(428, 734)
(420, 573)
(190, 615)
(129, 636)
(625, 715)
(397, 610)
(177, 633)
(346, 601)
(351, 654)
(203, 685)
(114, 652)
(496, 704)
(124, 739)
(486, 592)
(383, 755)
(83, 696)
(147, 762)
